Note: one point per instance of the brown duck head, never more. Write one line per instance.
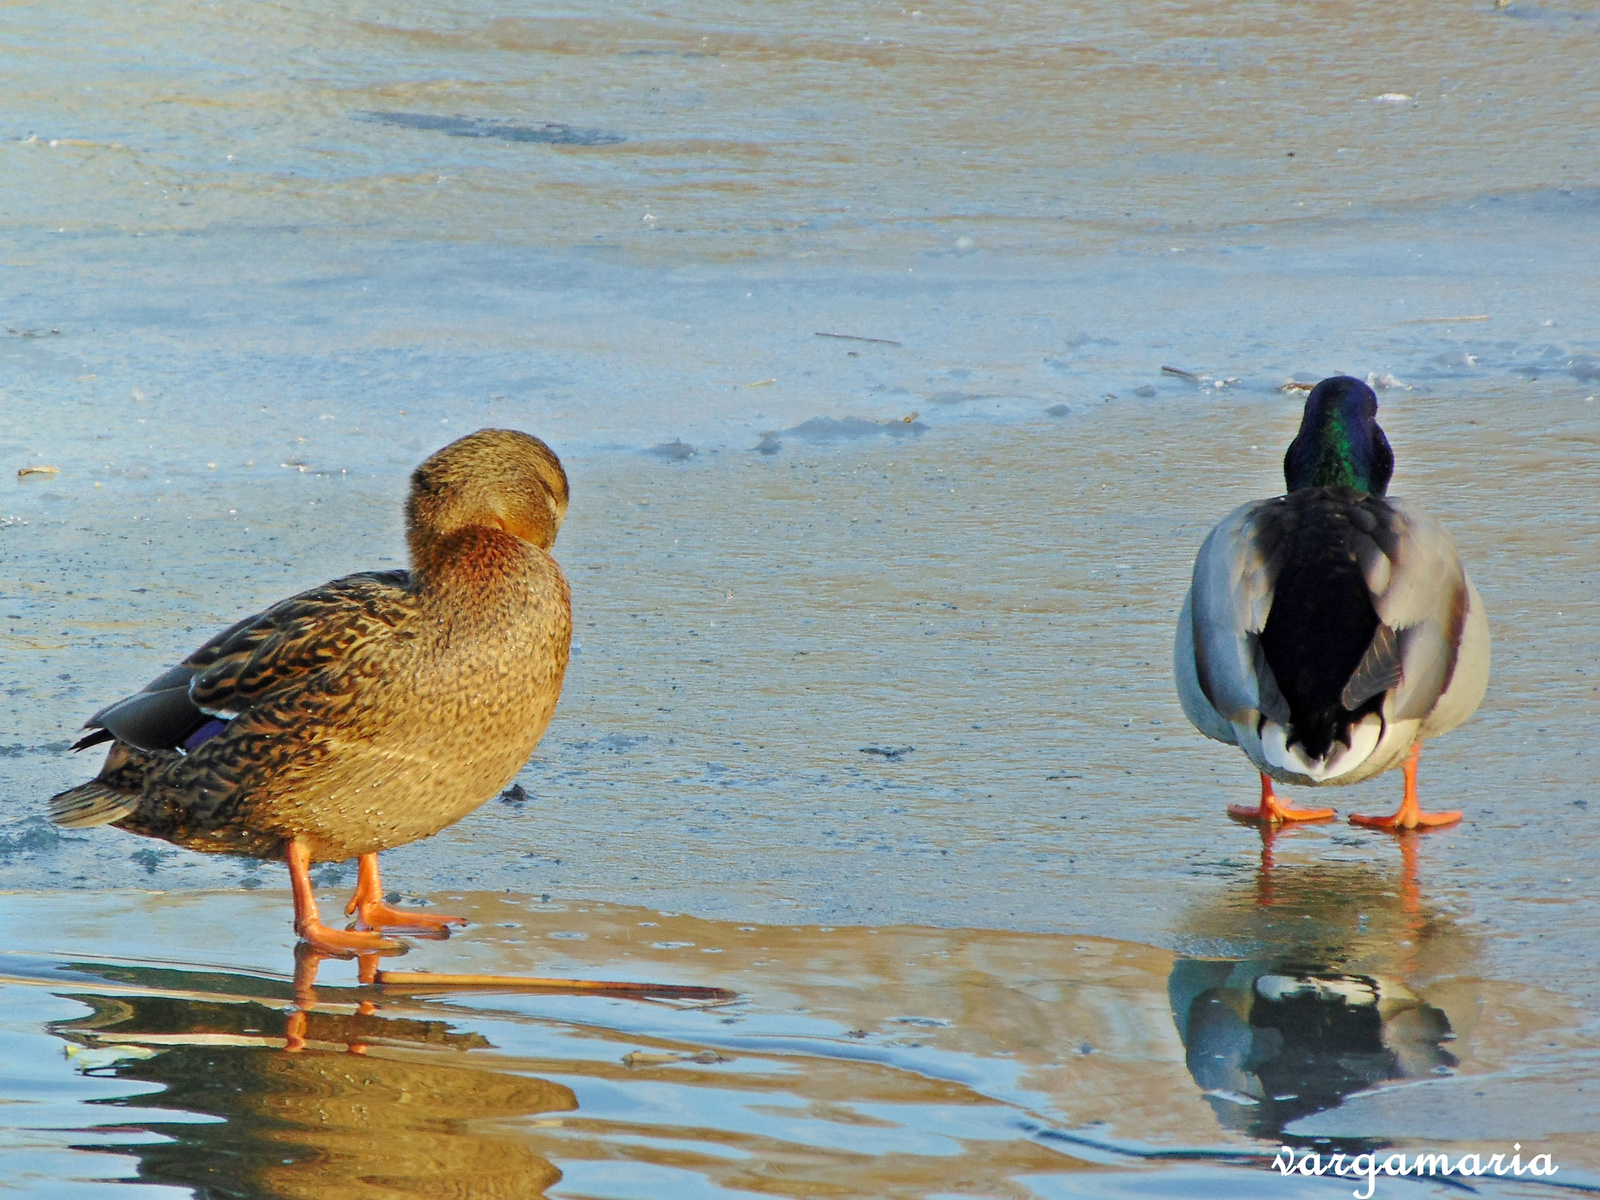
(495, 479)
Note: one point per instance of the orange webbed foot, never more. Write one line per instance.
(1276, 812)
(375, 914)
(323, 939)
(1403, 821)
(1272, 811)
(343, 942)
(1410, 815)
(371, 912)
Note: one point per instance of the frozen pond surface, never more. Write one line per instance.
(872, 633)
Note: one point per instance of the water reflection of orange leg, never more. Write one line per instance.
(308, 921)
(1410, 815)
(1272, 811)
(1410, 889)
(307, 960)
(366, 972)
(1411, 918)
(1264, 888)
(371, 912)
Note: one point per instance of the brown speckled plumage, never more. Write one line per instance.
(373, 710)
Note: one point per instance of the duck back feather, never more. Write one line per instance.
(1322, 622)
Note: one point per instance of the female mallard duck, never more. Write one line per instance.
(1328, 632)
(368, 712)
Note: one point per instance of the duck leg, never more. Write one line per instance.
(1410, 815)
(1271, 810)
(371, 912)
(308, 922)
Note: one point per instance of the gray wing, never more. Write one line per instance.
(253, 658)
(1229, 597)
(1423, 598)
(1196, 706)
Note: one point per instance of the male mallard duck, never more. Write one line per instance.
(366, 713)
(1328, 632)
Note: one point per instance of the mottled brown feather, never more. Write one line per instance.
(378, 708)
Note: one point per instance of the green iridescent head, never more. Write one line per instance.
(1339, 443)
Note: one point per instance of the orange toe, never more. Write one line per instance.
(320, 938)
(374, 914)
(1272, 814)
(1410, 815)
(1403, 821)
(371, 912)
(1271, 810)
(328, 940)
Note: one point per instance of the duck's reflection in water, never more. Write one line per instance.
(1323, 1006)
(315, 1104)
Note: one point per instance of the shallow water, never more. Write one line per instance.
(873, 634)
(880, 1061)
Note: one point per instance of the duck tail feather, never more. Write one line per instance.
(92, 738)
(91, 804)
(112, 795)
